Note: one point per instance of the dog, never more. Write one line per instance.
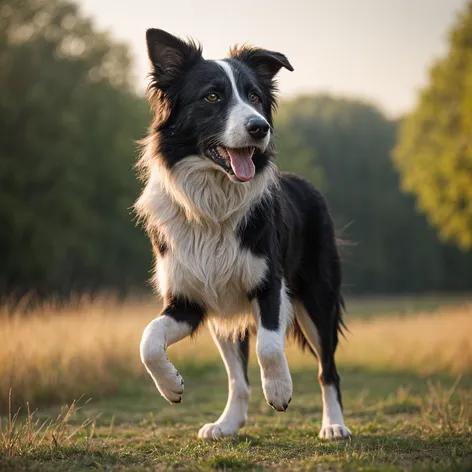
(238, 245)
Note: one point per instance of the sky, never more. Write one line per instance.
(378, 50)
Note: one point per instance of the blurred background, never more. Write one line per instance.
(378, 115)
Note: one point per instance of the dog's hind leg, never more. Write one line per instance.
(319, 330)
(179, 319)
(235, 355)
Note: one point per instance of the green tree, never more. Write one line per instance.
(69, 118)
(346, 150)
(434, 153)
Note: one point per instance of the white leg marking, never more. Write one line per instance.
(235, 134)
(275, 374)
(158, 335)
(234, 415)
(333, 426)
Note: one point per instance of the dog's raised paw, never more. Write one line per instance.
(170, 384)
(334, 432)
(212, 431)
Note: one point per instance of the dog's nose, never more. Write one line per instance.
(257, 127)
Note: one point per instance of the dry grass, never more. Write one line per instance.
(439, 413)
(57, 356)
(440, 341)
(423, 342)
(25, 435)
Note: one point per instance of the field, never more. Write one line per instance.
(406, 368)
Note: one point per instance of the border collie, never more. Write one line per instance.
(237, 244)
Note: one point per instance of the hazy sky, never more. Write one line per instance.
(376, 49)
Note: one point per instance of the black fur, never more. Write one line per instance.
(243, 346)
(158, 243)
(184, 310)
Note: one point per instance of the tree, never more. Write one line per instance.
(434, 153)
(69, 118)
(346, 150)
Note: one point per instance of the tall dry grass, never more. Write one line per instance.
(439, 341)
(59, 355)
(26, 435)
(423, 342)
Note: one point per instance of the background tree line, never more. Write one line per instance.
(69, 121)
(346, 148)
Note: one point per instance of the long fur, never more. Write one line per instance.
(207, 261)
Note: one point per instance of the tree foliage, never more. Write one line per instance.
(434, 154)
(347, 144)
(69, 118)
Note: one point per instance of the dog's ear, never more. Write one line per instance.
(169, 56)
(265, 63)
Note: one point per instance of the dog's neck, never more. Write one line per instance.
(202, 192)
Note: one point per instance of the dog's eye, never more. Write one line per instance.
(212, 97)
(254, 98)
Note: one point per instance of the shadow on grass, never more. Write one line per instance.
(69, 458)
(379, 448)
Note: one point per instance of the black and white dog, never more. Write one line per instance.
(237, 244)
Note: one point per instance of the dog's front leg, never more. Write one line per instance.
(178, 320)
(274, 312)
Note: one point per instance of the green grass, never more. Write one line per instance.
(400, 422)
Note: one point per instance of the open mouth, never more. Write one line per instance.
(235, 160)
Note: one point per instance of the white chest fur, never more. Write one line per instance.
(196, 209)
(210, 267)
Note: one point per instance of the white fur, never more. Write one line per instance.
(270, 349)
(157, 337)
(197, 209)
(333, 426)
(236, 134)
(234, 415)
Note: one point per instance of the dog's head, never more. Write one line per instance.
(218, 110)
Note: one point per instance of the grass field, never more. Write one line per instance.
(406, 380)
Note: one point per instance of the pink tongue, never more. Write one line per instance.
(241, 162)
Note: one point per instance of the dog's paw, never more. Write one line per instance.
(170, 383)
(278, 391)
(217, 430)
(334, 432)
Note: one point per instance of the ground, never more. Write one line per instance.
(401, 420)
(394, 428)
